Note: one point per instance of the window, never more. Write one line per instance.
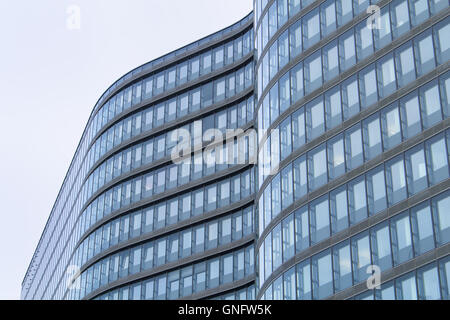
(124, 263)
(268, 256)
(428, 283)
(400, 17)
(376, 191)
(322, 275)
(347, 49)
(304, 290)
(286, 138)
(386, 76)
(227, 268)
(225, 231)
(206, 63)
(342, 266)
(357, 200)
(367, 87)
(339, 210)
(422, 229)
(273, 60)
(441, 218)
(424, 52)
(276, 246)
(218, 58)
(182, 73)
(437, 159)
(344, 11)
(267, 206)
(289, 284)
(381, 246)
(200, 277)
(361, 257)
(395, 180)
(173, 283)
(300, 178)
(390, 120)
(287, 188)
(285, 93)
(387, 292)
(419, 11)
(273, 19)
(383, 34)
(320, 221)
(315, 123)
(283, 49)
(372, 137)
(148, 87)
(313, 72)
(231, 86)
(336, 157)
(212, 235)
(410, 115)
(207, 94)
(401, 239)
(301, 229)
(333, 107)
(288, 238)
(224, 194)
(430, 104)
(295, 39)
(298, 129)
(159, 83)
(194, 64)
(330, 61)
(444, 268)
(404, 64)
(199, 239)
(219, 90)
(186, 243)
(311, 28)
(406, 288)
(354, 148)
(364, 41)
(297, 89)
(171, 78)
(317, 168)
(276, 196)
(441, 34)
(416, 171)
(350, 98)
(274, 107)
(328, 17)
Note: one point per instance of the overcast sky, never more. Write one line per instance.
(51, 77)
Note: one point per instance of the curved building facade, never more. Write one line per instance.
(129, 222)
(352, 116)
(345, 183)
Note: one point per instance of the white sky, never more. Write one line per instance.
(50, 79)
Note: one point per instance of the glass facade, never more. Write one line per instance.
(352, 146)
(127, 210)
(353, 130)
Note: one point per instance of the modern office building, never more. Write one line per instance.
(361, 152)
(130, 221)
(351, 105)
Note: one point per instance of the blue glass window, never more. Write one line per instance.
(319, 220)
(381, 246)
(401, 239)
